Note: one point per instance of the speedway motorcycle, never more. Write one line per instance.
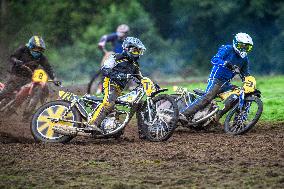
(28, 96)
(245, 111)
(61, 120)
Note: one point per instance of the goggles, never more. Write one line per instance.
(244, 47)
(136, 51)
(38, 49)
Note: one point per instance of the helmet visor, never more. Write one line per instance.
(136, 51)
(244, 47)
(38, 49)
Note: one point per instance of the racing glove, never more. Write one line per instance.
(18, 62)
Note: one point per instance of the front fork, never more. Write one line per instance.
(149, 105)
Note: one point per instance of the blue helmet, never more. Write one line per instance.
(36, 45)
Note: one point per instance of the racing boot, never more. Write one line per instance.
(230, 102)
(202, 101)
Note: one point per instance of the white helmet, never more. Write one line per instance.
(133, 47)
(242, 44)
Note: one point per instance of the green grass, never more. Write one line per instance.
(272, 89)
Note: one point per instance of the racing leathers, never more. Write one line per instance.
(20, 74)
(114, 39)
(226, 64)
(115, 70)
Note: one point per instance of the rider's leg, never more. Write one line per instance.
(230, 102)
(213, 88)
(111, 92)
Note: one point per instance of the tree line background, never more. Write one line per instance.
(181, 36)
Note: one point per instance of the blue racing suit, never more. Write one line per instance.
(225, 63)
(114, 39)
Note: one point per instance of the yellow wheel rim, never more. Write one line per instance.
(45, 125)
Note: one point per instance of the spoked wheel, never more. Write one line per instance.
(241, 121)
(42, 123)
(159, 123)
(95, 85)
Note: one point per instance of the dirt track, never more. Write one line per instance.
(188, 160)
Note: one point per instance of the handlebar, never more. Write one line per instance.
(57, 83)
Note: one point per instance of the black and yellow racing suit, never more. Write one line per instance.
(115, 70)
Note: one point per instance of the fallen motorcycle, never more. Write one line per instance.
(61, 120)
(245, 108)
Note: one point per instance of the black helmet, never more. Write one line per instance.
(133, 47)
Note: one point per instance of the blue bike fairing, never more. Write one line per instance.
(226, 53)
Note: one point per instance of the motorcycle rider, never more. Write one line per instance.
(24, 61)
(225, 63)
(115, 70)
(115, 38)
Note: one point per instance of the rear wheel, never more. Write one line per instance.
(164, 113)
(42, 125)
(241, 121)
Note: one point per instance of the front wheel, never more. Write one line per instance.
(158, 121)
(241, 121)
(42, 124)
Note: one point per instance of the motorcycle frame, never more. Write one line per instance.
(129, 114)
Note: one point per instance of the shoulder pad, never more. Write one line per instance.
(110, 62)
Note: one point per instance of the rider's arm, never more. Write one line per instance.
(107, 38)
(107, 68)
(219, 58)
(245, 69)
(46, 66)
(15, 57)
